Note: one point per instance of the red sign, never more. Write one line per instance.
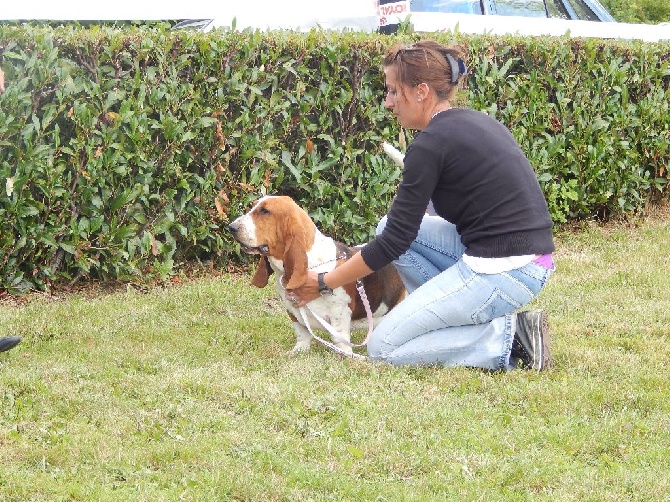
(392, 12)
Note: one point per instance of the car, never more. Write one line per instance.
(391, 12)
(575, 18)
(589, 10)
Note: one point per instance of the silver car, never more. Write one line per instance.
(589, 10)
(576, 18)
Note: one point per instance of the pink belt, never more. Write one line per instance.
(545, 261)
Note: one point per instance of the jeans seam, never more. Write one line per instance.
(417, 265)
(520, 283)
(507, 342)
(384, 340)
(429, 245)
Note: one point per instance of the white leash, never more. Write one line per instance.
(334, 334)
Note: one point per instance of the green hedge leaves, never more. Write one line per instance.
(125, 152)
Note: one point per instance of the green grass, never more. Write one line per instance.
(185, 393)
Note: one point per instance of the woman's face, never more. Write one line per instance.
(403, 101)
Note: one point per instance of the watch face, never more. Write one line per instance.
(326, 292)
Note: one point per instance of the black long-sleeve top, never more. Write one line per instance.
(478, 178)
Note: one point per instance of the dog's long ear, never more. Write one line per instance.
(295, 261)
(263, 273)
(300, 230)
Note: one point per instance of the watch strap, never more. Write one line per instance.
(323, 287)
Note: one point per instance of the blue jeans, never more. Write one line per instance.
(453, 316)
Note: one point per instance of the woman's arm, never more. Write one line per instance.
(353, 269)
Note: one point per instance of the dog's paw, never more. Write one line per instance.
(298, 348)
(343, 347)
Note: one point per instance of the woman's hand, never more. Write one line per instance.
(354, 268)
(309, 291)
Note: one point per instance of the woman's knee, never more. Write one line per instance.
(374, 349)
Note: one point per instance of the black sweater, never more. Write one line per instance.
(473, 170)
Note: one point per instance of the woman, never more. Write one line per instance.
(484, 254)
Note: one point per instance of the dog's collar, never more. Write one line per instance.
(263, 249)
(344, 254)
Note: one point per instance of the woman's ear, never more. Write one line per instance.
(422, 91)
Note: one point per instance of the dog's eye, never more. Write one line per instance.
(263, 210)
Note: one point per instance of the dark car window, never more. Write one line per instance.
(589, 10)
(584, 11)
(559, 9)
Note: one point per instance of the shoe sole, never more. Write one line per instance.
(9, 343)
(542, 358)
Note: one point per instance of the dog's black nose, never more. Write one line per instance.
(233, 228)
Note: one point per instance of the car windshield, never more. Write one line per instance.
(525, 8)
(457, 6)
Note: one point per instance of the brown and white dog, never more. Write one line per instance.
(290, 245)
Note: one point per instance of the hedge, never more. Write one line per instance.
(125, 152)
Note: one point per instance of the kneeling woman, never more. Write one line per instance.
(483, 253)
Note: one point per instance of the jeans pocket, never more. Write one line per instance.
(497, 305)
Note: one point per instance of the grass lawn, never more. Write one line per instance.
(185, 393)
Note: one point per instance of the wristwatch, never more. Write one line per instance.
(323, 288)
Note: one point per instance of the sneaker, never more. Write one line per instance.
(9, 342)
(531, 340)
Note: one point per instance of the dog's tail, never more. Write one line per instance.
(396, 155)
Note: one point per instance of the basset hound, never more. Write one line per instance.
(289, 245)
